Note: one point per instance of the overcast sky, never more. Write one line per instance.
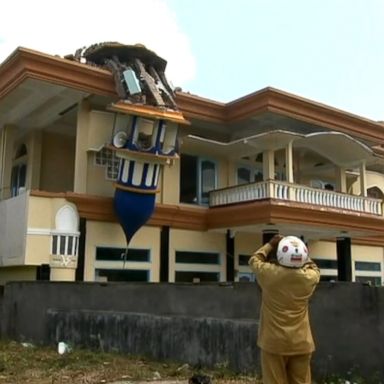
(330, 51)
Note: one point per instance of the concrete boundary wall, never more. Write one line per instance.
(204, 324)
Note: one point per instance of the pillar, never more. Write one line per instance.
(341, 178)
(81, 157)
(344, 259)
(230, 255)
(268, 234)
(363, 180)
(164, 254)
(289, 163)
(268, 165)
(8, 134)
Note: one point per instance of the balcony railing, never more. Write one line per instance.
(293, 192)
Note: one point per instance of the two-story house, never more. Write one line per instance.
(265, 163)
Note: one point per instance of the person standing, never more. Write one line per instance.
(287, 283)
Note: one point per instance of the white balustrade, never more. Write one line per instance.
(281, 190)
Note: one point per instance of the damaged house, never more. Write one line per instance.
(108, 174)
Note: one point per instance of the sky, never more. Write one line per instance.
(328, 51)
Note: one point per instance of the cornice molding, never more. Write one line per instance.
(25, 63)
(202, 219)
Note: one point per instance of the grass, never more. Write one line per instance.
(42, 365)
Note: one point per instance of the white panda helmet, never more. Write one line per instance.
(292, 252)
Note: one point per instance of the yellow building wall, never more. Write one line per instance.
(111, 235)
(57, 162)
(322, 249)
(184, 240)
(38, 248)
(39, 227)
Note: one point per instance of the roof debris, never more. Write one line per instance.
(138, 72)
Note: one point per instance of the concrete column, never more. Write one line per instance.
(81, 157)
(230, 258)
(268, 234)
(8, 135)
(341, 178)
(34, 160)
(363, 180)
(268, 165)
(344, 259)
(289, 163)
(164, 254)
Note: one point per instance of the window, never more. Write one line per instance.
(247, 174)
(118, 254)
(197, 266)
(189, 277)
(375, 193)
(328, 269)
(373, 280)
(246, 277)
(197, 257)
(326, 263)
(367, 266)
(197, 178)
(64, 245)
(243, 259)
(112, 264)
(108, 159)
(368, 272)
(121, 275)
(19, 171)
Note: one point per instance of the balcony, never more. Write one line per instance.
(280, 190)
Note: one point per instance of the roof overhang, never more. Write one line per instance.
(340, 148)
(25, 63)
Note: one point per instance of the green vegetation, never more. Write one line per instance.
(27, 364)
(24, 363)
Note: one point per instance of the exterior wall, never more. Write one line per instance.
(57, 162)
(182, 240)
(367, 254)
(374, 179)
(111, 235)
(13, 224)
(99, 133)
(40, 227)
(169, 184)
(17, 274)
(322, 249)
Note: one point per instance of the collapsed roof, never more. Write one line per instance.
(138, 72)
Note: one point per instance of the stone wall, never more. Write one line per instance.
(202, 324)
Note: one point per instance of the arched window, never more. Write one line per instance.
(19, 171)
(375, 193)
(65, 238)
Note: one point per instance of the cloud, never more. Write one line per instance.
(61, 27)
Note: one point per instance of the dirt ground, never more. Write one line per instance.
(28, 364)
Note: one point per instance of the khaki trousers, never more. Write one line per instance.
(284, 369)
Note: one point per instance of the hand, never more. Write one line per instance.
(275, 240)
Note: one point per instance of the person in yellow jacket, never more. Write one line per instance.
(285, 337)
